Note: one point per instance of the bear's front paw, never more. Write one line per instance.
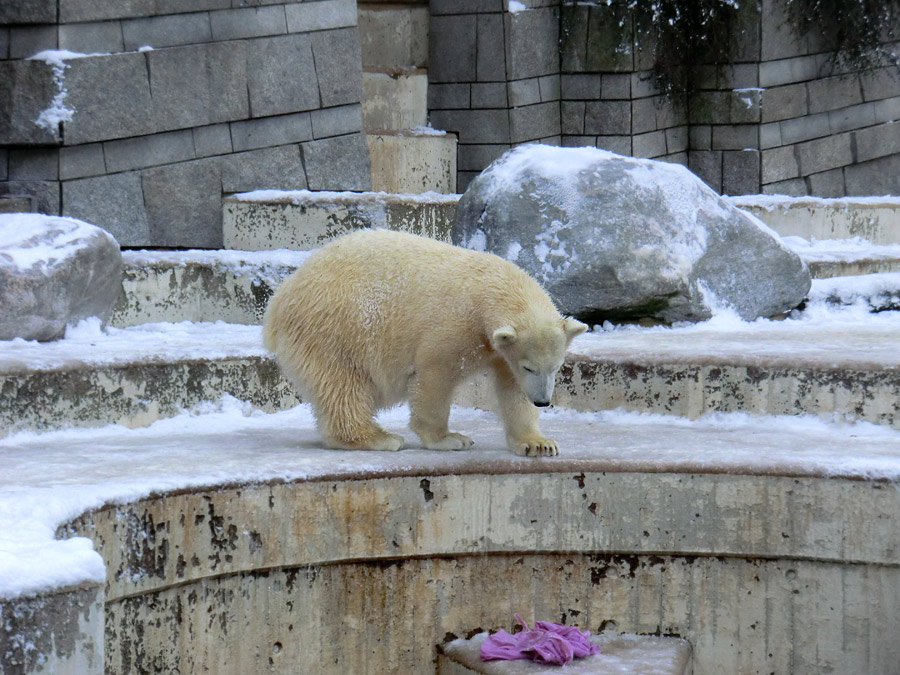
(534, 446)
(451, 441)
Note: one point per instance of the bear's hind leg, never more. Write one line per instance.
(345, 410)
(430, 412)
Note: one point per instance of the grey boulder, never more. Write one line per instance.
(54, 272)
(618, 237)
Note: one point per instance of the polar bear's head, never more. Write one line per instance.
(536, 353)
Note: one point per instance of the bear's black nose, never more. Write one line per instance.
(542, 404)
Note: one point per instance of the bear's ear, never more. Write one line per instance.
(573, 327)
(503, 337)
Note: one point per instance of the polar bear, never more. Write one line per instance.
(379, 317)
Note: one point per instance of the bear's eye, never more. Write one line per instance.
(529, 370)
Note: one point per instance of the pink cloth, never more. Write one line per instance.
(550, 643)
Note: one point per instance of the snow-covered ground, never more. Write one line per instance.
(821, 336)
(87, 344)
(841, 250)
(50, 478)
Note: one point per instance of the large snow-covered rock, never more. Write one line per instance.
(54, 272)
(611, 236)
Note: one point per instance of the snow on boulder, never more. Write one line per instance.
(611, 236)
(54, 272)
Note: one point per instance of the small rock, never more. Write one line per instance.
(614, 237)
(54, 272)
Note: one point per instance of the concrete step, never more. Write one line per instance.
(394, 99)
(413, 161)
(765, 543)
(876, 219)
(174, 286)
(302, 220)
(393, 35)
(846, 369)
(134, 376)
(619, 654)
(845, 257)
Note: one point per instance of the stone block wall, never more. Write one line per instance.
(493, 77)
(167, 105)
(780, 117)
(609, 94)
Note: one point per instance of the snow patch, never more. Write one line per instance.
(298, 197)
(515, 7)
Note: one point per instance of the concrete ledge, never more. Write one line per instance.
(260, 551)
(394, 99)
(233, 287)
(59, 632)
(413, 162)
(135, 393)
(392, 565)
(874, 218)
(303, 220)
(645, 654)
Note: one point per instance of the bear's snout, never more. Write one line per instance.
(542, 404)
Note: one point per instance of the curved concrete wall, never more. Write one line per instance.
(361, 572)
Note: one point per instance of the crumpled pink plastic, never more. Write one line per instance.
(549, 643)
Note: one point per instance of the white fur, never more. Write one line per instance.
(380, 317)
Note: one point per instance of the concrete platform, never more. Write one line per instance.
(394, 99)
(303, 220)
(233, 541)
(847, 366)
(414, 161)
(874, 218)
(619, 655)
(195, 285)
(820, 367)
(134, 377)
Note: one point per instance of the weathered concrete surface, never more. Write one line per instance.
(877, 220)
(644, 654)
(306, 220)
(61, 632)
(133, 394)
(195, 290)
(690, 390)
(408, 161)
(394, 99)
(824, 269)
(760, 573)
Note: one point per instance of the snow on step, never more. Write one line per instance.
(619, 655)
(874, 218)
(839, 361)
(845, 257)
(133, 376)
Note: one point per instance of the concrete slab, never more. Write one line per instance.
(874, 218)
(413, 161)
(394, 99)
(302, 220)
(829, 258)
(173, 286)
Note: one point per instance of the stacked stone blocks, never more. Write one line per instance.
(780, 117)
(493, 77)
(174, 104)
